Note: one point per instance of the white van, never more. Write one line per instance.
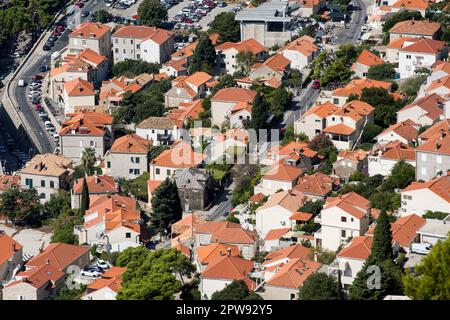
(421, 248)
(22, 83)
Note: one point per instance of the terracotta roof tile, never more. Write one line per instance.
(412, 4)
(234, 95)
(406, 129)
(296, 251)
(399, 151)
(249, 45)
(79, 87)
(161, 123)
(284, 172)
(90, 30)
(339, 129)
(8, 247)
(228, 267)
(352, 203)
(400, 42)
(318, 184)
(291, 200)
(38, 276)
(425, 46)
(415, 27)
(323, 110)
(96, 185)
(93, 122)
(369, 59)
(59, 255)
(301, 216)
(359, 248)
(8, 182)
(356, 87)
(293, 273)
(208, 253)
(440, 186)
(48, 165)
(112, 279)
(276, 234)
(429, 104)
(131, 143)
(180, 155)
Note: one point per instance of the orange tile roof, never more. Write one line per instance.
(198, 78)
(131, 143)
(177, 65)
(339, 129)
(249, 45)
(277, 63)
(356, 87)
(355, 109)
(369, 59)
(92, 56)
(352, 203)
(214, 38)
(416, 27)
(234, 95)
(90, 30)
(359, 248)
(439, 142)
(185, 111)
(152, 185)
(399, 151)
(143, 32)
(79, 87)
(435, 129)
(208, 253)
(96, 185)
(284, 172)
(412, 4)
(323, 110)
(276, 234)
(59, 255)
(245, 105)
(256, 198)
(317, 184)
(293, 273)
(160, 76)
(228, 267)
(226, 232)
(438, 83)
(8, 247)
(442, 65)
(355, 155)
(292, 147)
(183, 249)
(425, 46)
(406, 129)
(429, 105)
(296, 251)
(185, 52)
(180, 155)
(94, 122)
(309, 3)
(440, 186)
(291, 200)
(303, 46)
(112, 279)
(39, 276)
(400, 42)
(9, 181)
(301, 216)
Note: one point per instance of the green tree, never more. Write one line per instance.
(204, 56)
(237, 290)
(166, 206)
(152, 13)
(435, 215)
(430, 279)
(245, 60)
(402, 175)
(132, 68)
(84, 205)
(382, 239)
(370, 132)
(307, 31)
(102, 16)
(226, 26)
(20, 205)
(88, 160)
(278, 101)
(384, 71)
(259, 112)
(385, 106)
(63, 228)
(58, 203)
(319, 286)
(313, 207)
(325, 147)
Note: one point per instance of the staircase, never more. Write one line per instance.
(360, 135)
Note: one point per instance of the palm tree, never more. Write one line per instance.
(88, 160)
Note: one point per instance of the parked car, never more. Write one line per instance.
(316, 84)
(84, 14)
(222, 5)
(421, 248)
(22, 83)
(38, 107)
(90, 273)
(44, 68)
(37, 77)
(102, 264)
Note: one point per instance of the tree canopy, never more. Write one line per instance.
(383, 72)
(319, 286)
(152, 13)
(402, 175)
(227, 28)
(166, 206)
(237, 290)
(259, 112)
(385, 105)
(20, 205)
(204, 56)
(132, 68)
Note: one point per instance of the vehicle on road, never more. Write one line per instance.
(46, 47)
(37, 77)
(421, 248)
(91, 273)
(38, 107)
(316, 84)
(44, 68)
(22, 83)
(102, 264)
(84, 14)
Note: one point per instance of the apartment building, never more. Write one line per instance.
(91, 35)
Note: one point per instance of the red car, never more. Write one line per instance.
(37, 77)
(80, 4)
(316, 84)
(60, 28)
(188, 21)
(38, 107)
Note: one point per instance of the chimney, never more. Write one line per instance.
(95, 177)
(229, 252)
(47, 261)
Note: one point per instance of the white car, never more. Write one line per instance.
(421, 248)
(91, 273)
(102, 264)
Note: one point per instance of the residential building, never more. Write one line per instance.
(365, 60)
(346, 125)
(97, 185)
(47, 173)
(415, 29)
(273, 239)
(186, 113)
(85, 129)
(231, 146)
(11, 257)
(150, 44)
(207, 254)
(275, 213)
(440, 86)
(434, 230)
(294, 153)
(184, 231)
(420, 54)
(383, 159)
(187, 89)
(78, 93)
(405, 132)
(227, 53)
(342, 218)
(105, 287)
(355, 87)
(435, 191)
(433, 153)
(277, 66)
(222, 271)
(281, 176)
(308, 7)
(160, 130)
(424, 111)
(195, 188)
(91, 35)
(223, 102)
(348, 162)
(128, 157)
(411, 5)
(394, 47)
(317, 186)
(300, 52)
(112, 222)
(174, 68)
(314, 121)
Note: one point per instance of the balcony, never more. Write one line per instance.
(318, 218)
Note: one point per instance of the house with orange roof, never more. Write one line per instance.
(276, 212)
(11, 256)
(227, 100)
(294, 153)
(111, 222)
(231, 146)
(420, 54)
(128, 157)
(187, 89)
(433, 153)
(424, 111)
(85, 129)
(350, 260)
(350, 161)
(440, 86)
(227, 54)
(288, 278)
(317, 186)
(97, 185)
(365, 60)
(278, 257)
(383, 158)
(435, 191)
(411, 5)
(207, 254)
(281, 176)
(45, 274)
(228, 233)
(180, 155)
(342, 218)
(404, 131)
(300, 52)
(440, 69)
(91, 35)
(174, 68)
(222, 271)
(185, 113)
(105, 287)
(277, 66)
(241, 114)
(273, 239)
(355, 87)
(184, 231)
(415, 29)
(314, 121)
(345, 126)
(150, 44)
(78, 93)
(394, 47)
(160, 130)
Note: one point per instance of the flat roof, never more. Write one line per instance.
(268, 11)
(435, 227)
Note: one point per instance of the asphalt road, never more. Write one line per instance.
(353, 32)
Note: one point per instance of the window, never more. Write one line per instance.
(138, 46)
(292, 297)
(157, 171)
(83, 42)
(131, 41)
(168, 172)
(137, 172)
(116, 50)
(43, 183)
(343, 233)
(124, 51)
(52, 184)
(335, 101)
(343, 219)
(116, 40)
(333, 118)
(108, 164)
(42, 196)
(130, 171)
(137, 160)
(351, 219)
(138, 56)
(92, 143)
(128, 235)
(364, 74)
(317, 131)
(29, 183)
(408, 56)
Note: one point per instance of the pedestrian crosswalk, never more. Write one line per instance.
(44, 53)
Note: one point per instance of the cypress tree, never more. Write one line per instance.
(166, 205)
(84, 205)
(382, 239)
(259, 112)
(204, 57)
